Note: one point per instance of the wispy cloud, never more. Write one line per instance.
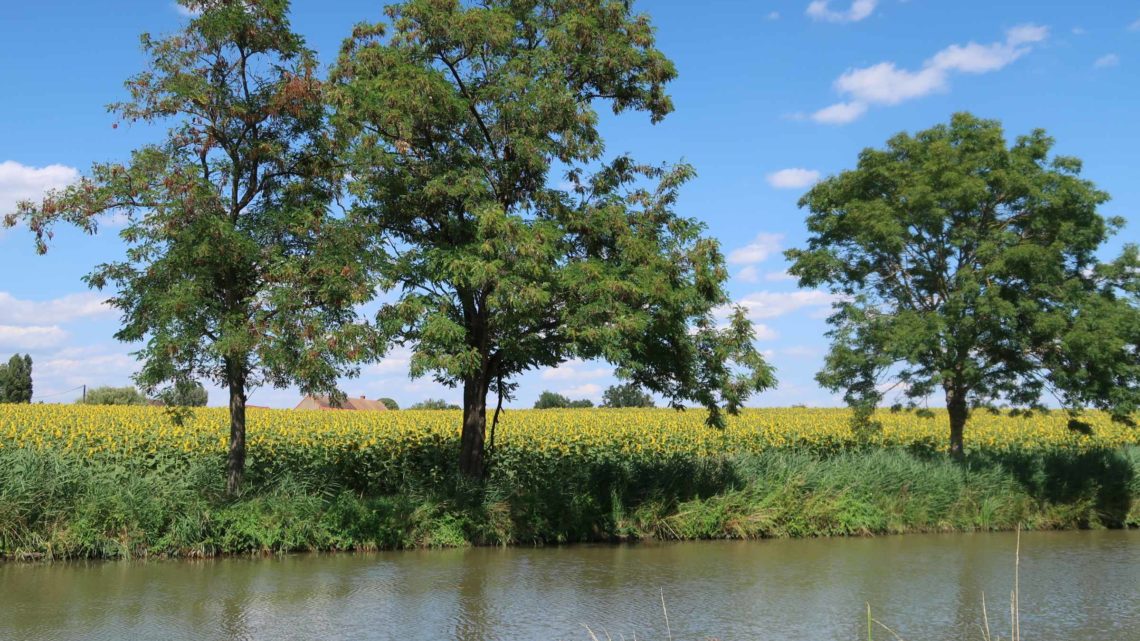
(887, 84)
(574, 371)
(589, 390)
(793, 178)
(859, 10)
(31, 337)
(56, 310)
(748, 275)
(1107, 60)
(774, 15)
(764, 305)
(763, 246)
(184, 11)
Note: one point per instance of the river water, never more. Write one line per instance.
(1074, 585)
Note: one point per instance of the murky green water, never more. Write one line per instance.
(1075, 585)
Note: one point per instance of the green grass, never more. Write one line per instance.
(55, 506)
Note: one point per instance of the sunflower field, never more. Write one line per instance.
(127, 481)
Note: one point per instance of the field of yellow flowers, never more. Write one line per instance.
(87, 481)
(133, 432)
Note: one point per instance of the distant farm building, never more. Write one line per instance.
(323, 403)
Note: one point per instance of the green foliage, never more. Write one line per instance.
(434, 404)
(60, 505)
(970, 267)
(390, 403)
(185, 394)
(452, 124)
(626, 395)
(237, 270)
(114, 396)
(16, 380)
(549, 400)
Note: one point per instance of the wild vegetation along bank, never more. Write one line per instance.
(78, 481)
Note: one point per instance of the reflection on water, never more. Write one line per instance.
(1075, 585)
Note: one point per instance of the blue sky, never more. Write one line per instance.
(771, 96)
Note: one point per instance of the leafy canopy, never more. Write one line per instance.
(237, 269)
(971, 265)
(455, 122)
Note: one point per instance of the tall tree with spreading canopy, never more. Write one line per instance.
(238, 270)
(455, 122)
(969, 266)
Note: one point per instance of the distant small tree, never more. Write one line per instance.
(548, 400)
(16, 380)
(185, 394)
(627, 395)
(434, 404)
(114, 396)
(390, 403)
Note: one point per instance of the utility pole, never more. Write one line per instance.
(85, 393)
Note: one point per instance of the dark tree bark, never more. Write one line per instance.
(471, 450)
(959, 412)
(235, 461)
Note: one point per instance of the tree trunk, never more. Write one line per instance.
(471, 446)
(235, 462)
(959, 412)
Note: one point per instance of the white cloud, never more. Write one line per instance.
(183, 11)
(887, 84)
(765, 304)
(859, 9)
(1026, 34)
(92, 366)
(1107, 60)
(589, 390)
(395, 362)
(757, 251)
(1135, 26)
(776, 277)
(573, 371)
(1079, 31)
(56, 310)
(764, 333)
(21, 182)
(748, 275)
(31, 337)
(793, 178)
(840, 113)
(775, 15)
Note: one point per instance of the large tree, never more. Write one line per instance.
(456, 121)
(969, 266)
(237, 269)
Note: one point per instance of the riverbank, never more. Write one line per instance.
(113, 483)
